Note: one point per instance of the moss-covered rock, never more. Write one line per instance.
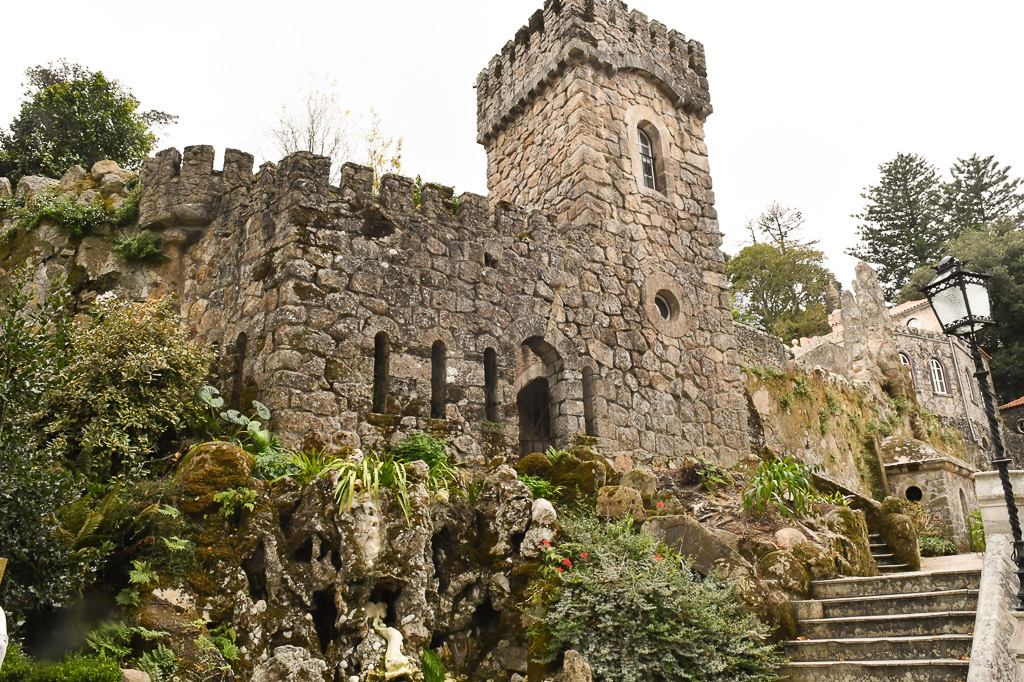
(787, 571)
(849, 542)
(208, 469)
(816, 559)
(899, 532)
(618, 502)
(644, 482)
(536, 464)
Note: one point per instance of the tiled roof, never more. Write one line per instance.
(1013, 403)
(904, 307)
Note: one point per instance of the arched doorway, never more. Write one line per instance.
(534, 402)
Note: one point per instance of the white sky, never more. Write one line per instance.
(809, 97)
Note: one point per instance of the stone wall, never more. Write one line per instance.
(1013, 434)
(758, 348)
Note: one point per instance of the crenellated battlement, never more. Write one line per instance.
(185, 190)
(603, 33)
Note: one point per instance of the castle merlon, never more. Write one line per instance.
(602, 33)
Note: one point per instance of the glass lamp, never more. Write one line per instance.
(959, 298)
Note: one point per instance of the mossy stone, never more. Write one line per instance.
(208, 469)
(816, 559)
(788, 572)
(536, 464)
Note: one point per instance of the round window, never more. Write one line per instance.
(1020, 426)
(914, 494)
(667, 304)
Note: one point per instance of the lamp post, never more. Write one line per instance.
(961, 303)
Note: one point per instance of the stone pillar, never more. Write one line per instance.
(997, 652)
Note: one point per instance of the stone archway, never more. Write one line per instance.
(534, 403)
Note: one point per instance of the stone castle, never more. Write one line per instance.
(584, 295)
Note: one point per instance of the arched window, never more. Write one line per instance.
(381, 357)
(648, 165)
(938, 377)
(438, 379)
(905, 361)
(969, 380)
(913, 323)
(490, 385)
(589, 418)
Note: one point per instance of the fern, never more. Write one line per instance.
(141, 573)
(176, 544)
(161, 664)
(129, 596)
(169, 511)
(433, 666)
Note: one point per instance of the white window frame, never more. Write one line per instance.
(648, 163)
(939, 386)
(905, 361)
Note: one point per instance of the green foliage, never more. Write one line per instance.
(142, 574)
(980, 192)
(71, 115)
(934, 545)
(763, 373)
(837, 498)
(433, 666)
(224, 637)
(902, 226)
(367, 476)
(541, 488)
(161, 663)
(637, 613)
(712, 475)
(115, 639)
(75, 218)
(783, 287)
(75, 667)
(129, 390)
(785, 400)
(422, 447)
(919, 514)
(246, 432)
(45, 570)
(783, 485)
(554, 455)
(305, 467)
(801, 386)
(233, 501)
(976, 531)
(141, 247)
(831, 409)
(417, 191)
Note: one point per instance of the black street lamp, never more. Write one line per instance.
(960, 301)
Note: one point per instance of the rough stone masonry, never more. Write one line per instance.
(580, 298)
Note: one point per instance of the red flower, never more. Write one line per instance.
(583, 555)
(545, 543)
(567, 563)
(660, 505)
(657, 557)
(561, 570)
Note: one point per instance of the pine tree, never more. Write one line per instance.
(903, 227)
(981, 191)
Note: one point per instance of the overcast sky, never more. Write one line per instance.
(809, 97)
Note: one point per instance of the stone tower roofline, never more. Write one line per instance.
(603, 33)
(185, 190)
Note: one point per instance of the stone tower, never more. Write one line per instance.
(595, 115)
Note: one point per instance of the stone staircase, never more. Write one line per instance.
(897, 626)
(882, 554)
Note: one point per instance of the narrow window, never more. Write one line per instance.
(237, 372)
(490, 385)
(438, 379)
(589, 419)
(970, 382)
(938, 377)
(905, 361)
(647, 160)
(381, 353)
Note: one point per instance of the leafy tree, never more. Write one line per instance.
(981, 191)
(71, 115)
(903, 227)
(996, 248)
(781, 282)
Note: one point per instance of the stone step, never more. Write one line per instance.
(889, 625)
(920, 581)
(879, 605)
(937, 670)
(880, 648)
(883, 555)
(893, 568)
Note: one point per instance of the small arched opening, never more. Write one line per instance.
(534, 403)
(381, 360)
(490, 385)
(589, 416)
(438, 379)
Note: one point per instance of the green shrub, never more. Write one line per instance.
(637, 614)
(305, 467)
(142, 247)
(783, 485)
(129, 391)
(161, 664)
(235, 500)
(433, 666)
(422, 447)
(541, 488)
(976, 529)
(933, 545)
(75, 218)
(77, 667)
(367, 476)
(246, 432)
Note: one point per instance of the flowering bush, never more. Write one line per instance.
(635, 610)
